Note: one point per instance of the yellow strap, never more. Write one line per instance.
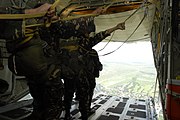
(49, 20)
(29, 33)
(71, 47)
(66, 12)
(57, 2)
(26, 40)
(79, 16)
(21, 16)
(105, 8)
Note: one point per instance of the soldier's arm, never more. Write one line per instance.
(102, 35)
(41, 9)
(120, 26)
(93, 40)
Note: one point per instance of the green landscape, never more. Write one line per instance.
(128, 80)
(135, 80)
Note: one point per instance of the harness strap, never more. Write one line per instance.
(70, 48)
(21, 16)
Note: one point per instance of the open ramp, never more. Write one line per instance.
(107, 108)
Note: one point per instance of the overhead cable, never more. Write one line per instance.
(143, 4)
(145, 14)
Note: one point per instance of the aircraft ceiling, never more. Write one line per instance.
(143, 32)
(118, 11)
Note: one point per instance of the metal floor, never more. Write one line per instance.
(107, 108)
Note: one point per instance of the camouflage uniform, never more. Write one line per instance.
(75, 46)
(29, 60)
(93, 67)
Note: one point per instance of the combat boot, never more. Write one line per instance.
(84, 117)
(84, 114)
(91, 111)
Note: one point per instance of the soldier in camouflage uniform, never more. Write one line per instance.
(28, 59)
(94, 66)
(75, 47)
(75, 60)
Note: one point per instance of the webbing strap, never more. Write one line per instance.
(26, 40)
(70, 48)
(49, 20)
(29, 34)
(21, 16)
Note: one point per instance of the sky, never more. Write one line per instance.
(140, 52)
